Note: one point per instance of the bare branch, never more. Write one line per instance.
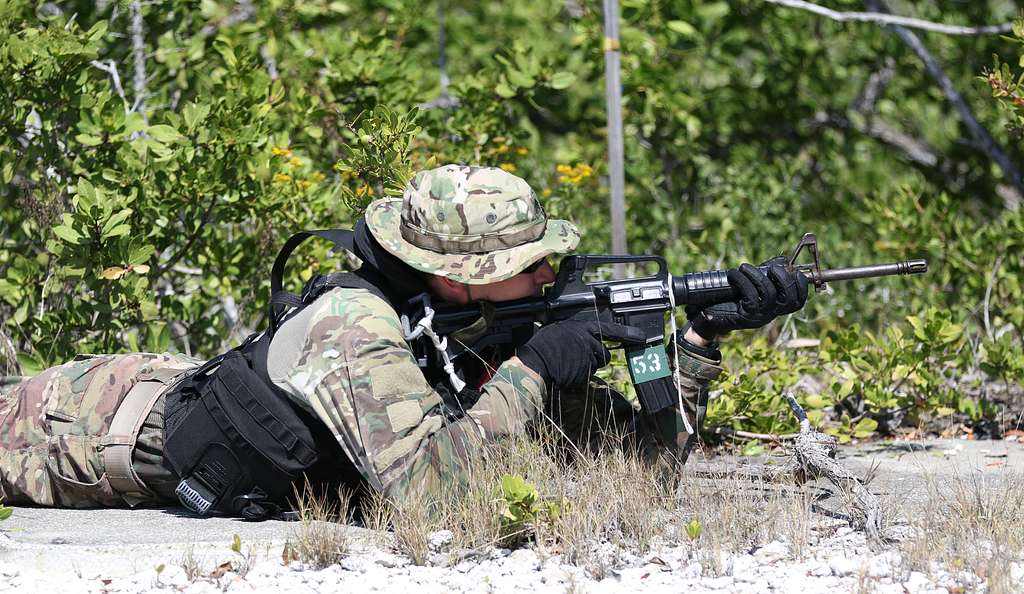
(111, 68)
(890, 19)
(874, 88)
(269, 62)
(139, 54)
(978, 132)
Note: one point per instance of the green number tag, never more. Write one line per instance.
(648, 364)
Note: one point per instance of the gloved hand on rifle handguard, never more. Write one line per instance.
(567, 353)
(763, 297)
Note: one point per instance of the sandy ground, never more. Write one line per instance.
(76, 545)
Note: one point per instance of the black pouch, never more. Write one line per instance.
(237, 444)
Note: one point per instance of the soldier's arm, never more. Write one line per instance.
(699, 365)
(351, 366)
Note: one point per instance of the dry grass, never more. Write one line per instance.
(969, 524)
(322, 538)
(413, 519)
(192, 565)
(620, 507)
(614, 507)
(741, 514)
(377, 512)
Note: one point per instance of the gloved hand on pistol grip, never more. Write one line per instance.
(567, 353)
(763, 297)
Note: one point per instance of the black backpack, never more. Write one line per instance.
(239, 442)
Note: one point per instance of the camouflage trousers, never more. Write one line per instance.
(55, 427)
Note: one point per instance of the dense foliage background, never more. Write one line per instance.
(154, 156)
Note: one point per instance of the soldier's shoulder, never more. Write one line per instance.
(349, 308)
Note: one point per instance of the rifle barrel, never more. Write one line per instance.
(895, 268)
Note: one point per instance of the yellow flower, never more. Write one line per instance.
(502, 149)
(282, 178)
(562, 179)
(498, 139)
(295, 162)
(522, 151)
(546, 192)
(562, 168)
(363, 190)
(508, 167)
(319, 177)
(305, 184)
(281, 152)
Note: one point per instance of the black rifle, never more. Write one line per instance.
(640, 302)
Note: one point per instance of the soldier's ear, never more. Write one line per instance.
(448, 289)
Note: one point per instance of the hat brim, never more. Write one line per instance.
(384, 217)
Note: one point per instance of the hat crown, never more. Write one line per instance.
(467, 209)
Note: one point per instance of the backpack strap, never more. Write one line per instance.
(280, 299)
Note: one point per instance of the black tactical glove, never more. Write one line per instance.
(567, 353)
(763, 297)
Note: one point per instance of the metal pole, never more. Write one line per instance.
(613, 93)
(442, 63)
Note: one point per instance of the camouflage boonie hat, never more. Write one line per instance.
(474, 225)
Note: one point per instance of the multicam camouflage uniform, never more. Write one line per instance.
(55, 426)
(345, 358)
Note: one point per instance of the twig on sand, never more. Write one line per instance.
(814, 456)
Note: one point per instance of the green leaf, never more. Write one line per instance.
(117, 218)
(194, 113)
(562, 80)
(66, 233)
(681, 27)
(693, 529)
(520, 79)
(89, 139)
(919, 327)
(119, 230)
(223, 48)
(158, 337)
(140, 254)
(816, 401)
(752, 448)
(504, 90)
(30, 365)
(86, 195)
(236, 544)
(865, 427)
(950, 332)
(164, 133)
(5, 512)
(713, 11)
(97, 31)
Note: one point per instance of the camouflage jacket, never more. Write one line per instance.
(344, 358)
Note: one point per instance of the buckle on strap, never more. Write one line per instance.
(194, 496)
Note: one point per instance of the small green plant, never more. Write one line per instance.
(847, 430)
(1008, 86)
(236, 544)
(5, 512)
(693, 529)
(521, 508)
